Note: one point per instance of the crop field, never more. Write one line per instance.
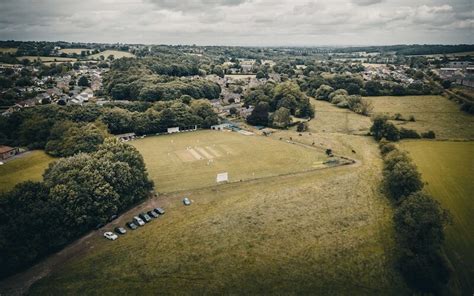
(47, 59)
(431, 113)
(320, 232)
(27, 167)
(117, 54)
(74, 50)
(191, 160)
(4, 50)
(448, 169)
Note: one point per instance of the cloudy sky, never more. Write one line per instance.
(240, 22)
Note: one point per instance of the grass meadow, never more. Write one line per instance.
(320, 232)
(27, 167)
(192, 160)
(431, 113)
(74, 50)
(448, 169)
(117, 54)
(4, 50)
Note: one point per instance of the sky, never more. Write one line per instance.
(240, 22)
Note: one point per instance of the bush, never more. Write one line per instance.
(408, 134)
(386, 147)
(428, 135)
(302, 127)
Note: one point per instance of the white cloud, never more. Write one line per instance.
(240, 22)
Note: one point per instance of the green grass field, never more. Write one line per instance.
(117, 54)
(448, 168)
(47, 59)
(174, 167)
(26, 167)
(4, 50)
(431, 113)
(323, 232)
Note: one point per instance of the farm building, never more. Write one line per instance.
(7, 152)
(126, 137)
(220, 127)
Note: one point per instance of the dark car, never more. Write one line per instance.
(145, 217)
(132, 225)
(120, 230)
(153, 214)
(159, 211)
(113, 217)
(99, 226)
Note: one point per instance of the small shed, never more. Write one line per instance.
(7, 152)
(126, 137)
(173, 130)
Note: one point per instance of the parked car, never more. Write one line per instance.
(186, 201)
(99, 226)
(110, 235)
(153, 214)
(159, 211)
(120, 230)
(138, 221)
(113, 217)
(132, 225)
(145, 217)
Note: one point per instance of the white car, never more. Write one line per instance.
(138, 221)
(110, 235)
(186, 201)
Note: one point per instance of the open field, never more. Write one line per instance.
(448, 168)
(29, 166)
(117, 54)
(330, 118)
(47, 59)
(4, 50)
(74, 50)
(191, 160)
(325, 232)
(431, 113)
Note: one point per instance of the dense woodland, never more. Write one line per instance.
(77, 194)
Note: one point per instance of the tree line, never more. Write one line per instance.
(419, 223)
(67, 130)
(383, 129)
(77, 194)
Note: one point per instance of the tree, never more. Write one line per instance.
(401, 179)
(260, 75)
(420, 221)
(323, 92)
(259, 115)
(381, 128)
(373, 88)
(83, 81)
(281, 118)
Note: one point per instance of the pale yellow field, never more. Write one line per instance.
(74, 50)
(117, 54)
(8, 50)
